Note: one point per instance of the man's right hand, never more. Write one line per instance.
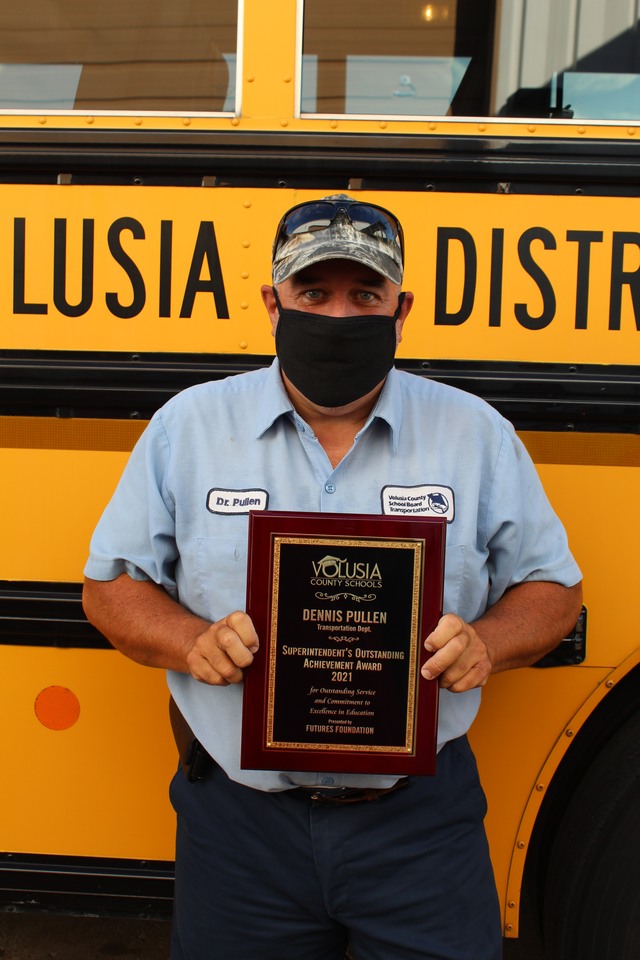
(224, 650)
(145, 623)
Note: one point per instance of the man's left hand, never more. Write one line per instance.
(460, 659)
(529, 620)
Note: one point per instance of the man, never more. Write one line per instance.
(286, 865)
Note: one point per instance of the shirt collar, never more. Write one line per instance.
(389, 407)
(276, 403)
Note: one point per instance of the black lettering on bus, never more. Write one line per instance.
(443, 317)
(60, 268)
(539, 277)
(206, 249)
(20, 305)
(129, 267)
(495, 286)
(166, 252)
(621, 277)
(584, 239)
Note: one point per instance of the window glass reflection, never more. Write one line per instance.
(406, 58)
(568, 59)
(564, 59)
(166, 55)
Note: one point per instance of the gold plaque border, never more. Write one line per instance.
(387, 544)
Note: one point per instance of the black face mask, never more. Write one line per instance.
(333, 361)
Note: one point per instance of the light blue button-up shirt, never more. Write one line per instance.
(179, 516)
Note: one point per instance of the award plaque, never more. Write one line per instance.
(342, 604)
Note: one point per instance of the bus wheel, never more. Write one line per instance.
(592, 893)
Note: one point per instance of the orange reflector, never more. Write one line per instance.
(57, 708)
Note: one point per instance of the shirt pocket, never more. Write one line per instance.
(221, 575)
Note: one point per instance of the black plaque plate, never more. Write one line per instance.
(342, 604)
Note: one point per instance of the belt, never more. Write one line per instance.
(197, 763)
(345, 794)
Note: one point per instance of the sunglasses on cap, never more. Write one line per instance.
(316, 215)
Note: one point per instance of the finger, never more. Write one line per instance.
(457, 681)
(448, 627)
(203, 671)
(242, 623)
(224, 650)
(208, 663)
(234, 645)
(442, 660)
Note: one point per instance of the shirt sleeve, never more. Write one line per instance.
(525, 539)
(136, 533)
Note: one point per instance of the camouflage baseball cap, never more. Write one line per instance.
(338, 228)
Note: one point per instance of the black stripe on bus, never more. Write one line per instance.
(102, 886)
(47, 614)
(323, 161)
(44, 614)
(126, 386)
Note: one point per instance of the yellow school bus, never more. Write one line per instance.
(147, 150)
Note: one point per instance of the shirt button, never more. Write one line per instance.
(330, 487)
(327, 781)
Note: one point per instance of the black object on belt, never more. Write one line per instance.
(346, 794)
(194, 759)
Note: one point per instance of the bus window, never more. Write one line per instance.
(568, 59)
(124, 55)
(391, 59)
(564, 59)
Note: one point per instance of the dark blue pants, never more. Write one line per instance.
(267, 876)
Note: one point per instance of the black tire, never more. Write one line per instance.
(592, 893)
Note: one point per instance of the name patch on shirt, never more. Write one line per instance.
(236, 501)
(426, 500)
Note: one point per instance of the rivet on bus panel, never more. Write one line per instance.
(243, 344)
(251, 79)
(42, 119)
(245, 275)
(284, 122)
(186, 121)
(286, 79)
(539, 787)
(531, 128)
(582, 129)
(246, 204)
(631, 131)
(235, 122)
(383, 124)
(138, 121)
(521, 844)
(569, 733)
(432, 126)
(244, 305)
(89, 119)
(246, 244)
(511, 904)
(334, 124)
